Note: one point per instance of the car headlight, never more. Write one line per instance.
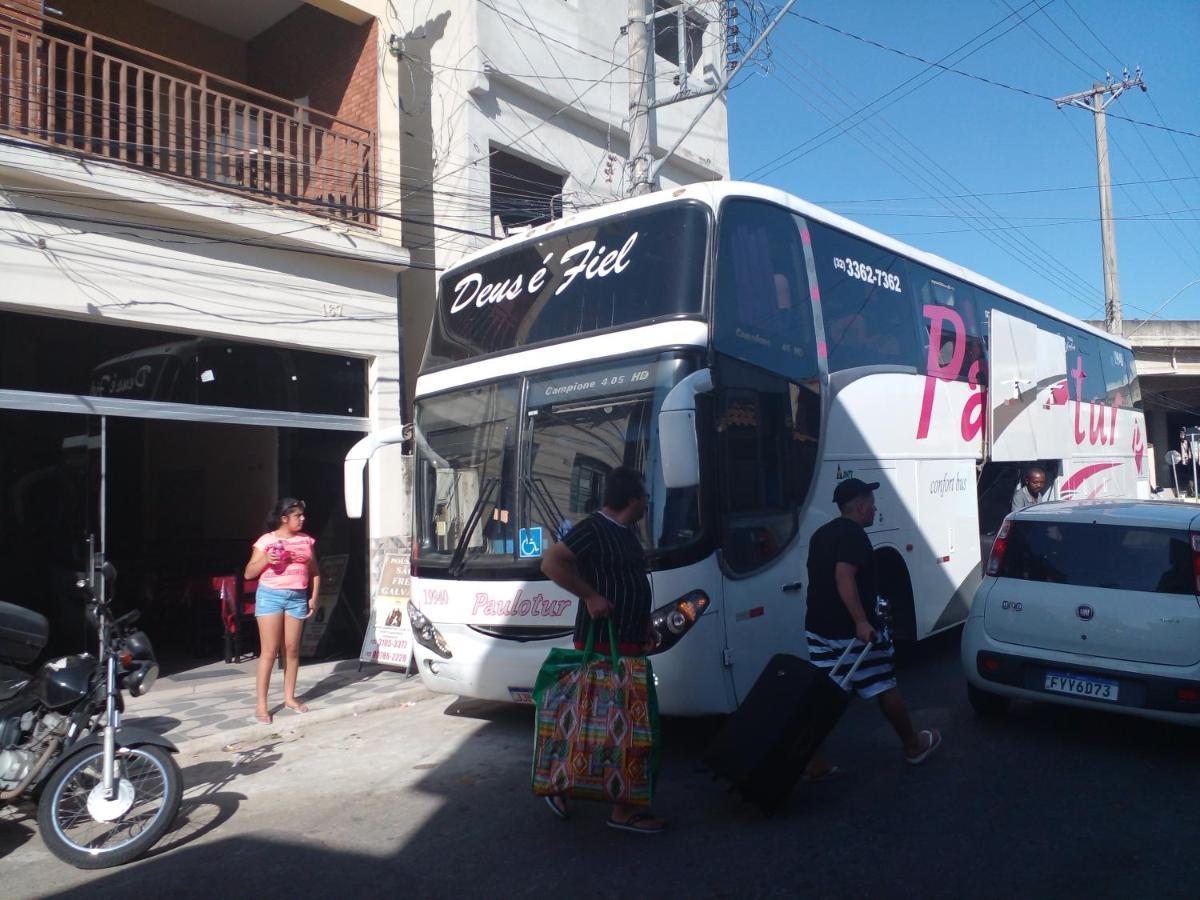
(425, 634)
(673, 621)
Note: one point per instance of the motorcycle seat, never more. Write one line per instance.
(12, 681)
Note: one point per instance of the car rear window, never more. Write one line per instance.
(1104, 556)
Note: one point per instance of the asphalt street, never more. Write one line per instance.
(432, 800)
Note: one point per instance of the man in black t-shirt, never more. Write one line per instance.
(601, 561)
(841, 612)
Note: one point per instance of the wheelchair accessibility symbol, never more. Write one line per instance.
(531, 542)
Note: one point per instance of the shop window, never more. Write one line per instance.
(523, 193)
(767, 443)
(866, 303)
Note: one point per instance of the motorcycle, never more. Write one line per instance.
(105, 793)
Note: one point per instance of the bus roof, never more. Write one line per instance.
(713, 193)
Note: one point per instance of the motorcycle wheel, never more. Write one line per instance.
(149, 782)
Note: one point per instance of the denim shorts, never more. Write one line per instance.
(269, 601)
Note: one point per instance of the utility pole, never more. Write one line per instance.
(1094, 101)
(641, 96)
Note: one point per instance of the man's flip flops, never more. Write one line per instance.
(935, 741)
(640, 823)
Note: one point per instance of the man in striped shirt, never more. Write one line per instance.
(602, 562)
(842, 589)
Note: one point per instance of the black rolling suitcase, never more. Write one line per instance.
(764, 746)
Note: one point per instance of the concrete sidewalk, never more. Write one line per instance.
(212, 706)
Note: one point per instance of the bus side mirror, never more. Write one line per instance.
(356, 461)
(679, 447)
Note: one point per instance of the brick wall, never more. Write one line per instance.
(329, 60)
(155, 29)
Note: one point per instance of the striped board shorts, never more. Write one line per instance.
(876, 674)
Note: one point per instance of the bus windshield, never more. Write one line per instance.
(496, 484)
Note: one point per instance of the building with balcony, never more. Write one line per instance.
(197, 301)
(220, 229)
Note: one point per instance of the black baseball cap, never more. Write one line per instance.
(852, 487)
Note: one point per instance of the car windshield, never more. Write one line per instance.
(486, 496)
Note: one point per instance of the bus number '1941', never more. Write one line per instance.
(869, 274)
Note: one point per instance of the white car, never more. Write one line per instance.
(1093, 604)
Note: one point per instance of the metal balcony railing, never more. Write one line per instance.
(94, 95)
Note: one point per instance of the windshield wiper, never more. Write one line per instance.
(545, 503)
(460, 549)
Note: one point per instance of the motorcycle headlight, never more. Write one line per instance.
(141, 679)
(425, 634)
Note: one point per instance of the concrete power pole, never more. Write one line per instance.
(1094, 101)
(641, 96)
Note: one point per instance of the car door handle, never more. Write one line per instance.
(793, 586)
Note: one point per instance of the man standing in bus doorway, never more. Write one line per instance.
(842, 581)
(601, 561)
(1033, 489)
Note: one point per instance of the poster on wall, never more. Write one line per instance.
(388, 641)
(333, 573)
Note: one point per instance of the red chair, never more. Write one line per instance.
(237, 612)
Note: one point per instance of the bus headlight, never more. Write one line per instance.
(673, 621)
(425, 634)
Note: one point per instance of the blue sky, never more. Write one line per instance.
(954, 135)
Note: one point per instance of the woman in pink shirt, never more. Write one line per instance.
(285, 564)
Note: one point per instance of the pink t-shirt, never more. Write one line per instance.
(291, 572)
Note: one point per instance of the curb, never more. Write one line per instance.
(292, 725)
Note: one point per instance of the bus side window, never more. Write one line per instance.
(866, 302)
(959, 323)
(1118, 375)
(763, 307)
(1085, 369)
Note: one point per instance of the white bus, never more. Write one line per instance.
(746, 350)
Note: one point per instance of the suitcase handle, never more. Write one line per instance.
(844, 684)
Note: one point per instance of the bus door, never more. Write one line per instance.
(766, 447)
(1028, 414)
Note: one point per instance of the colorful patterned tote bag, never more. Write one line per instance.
(597, 730)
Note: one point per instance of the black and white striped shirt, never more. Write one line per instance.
(611, 559)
